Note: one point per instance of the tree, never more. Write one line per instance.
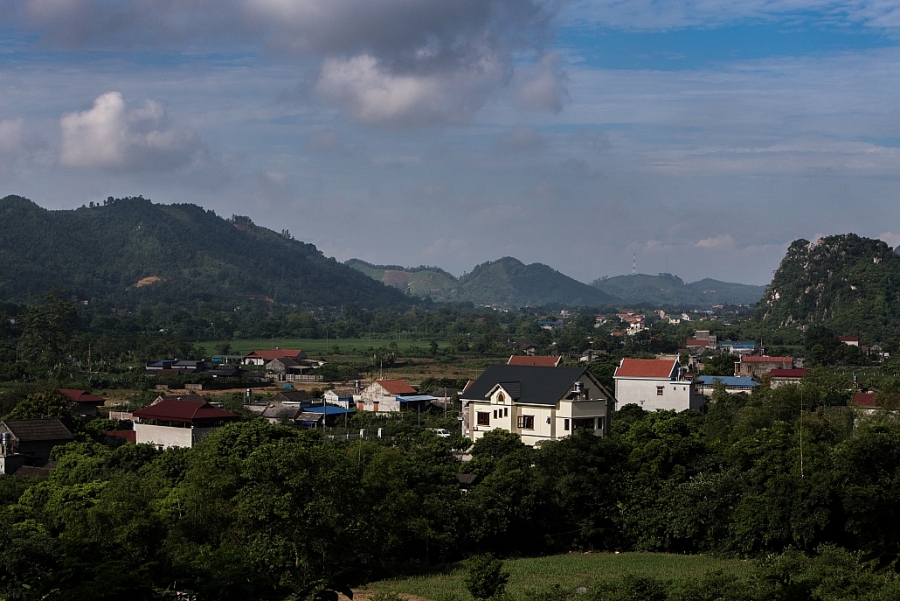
(47, 329)
(486, 578)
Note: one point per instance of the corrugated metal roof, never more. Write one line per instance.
(646, 368)
(766, 359)
(182, 411)
(789, 373)
(27, 430)
(729, 381)
(396, 387)
(81, 396)
(268, 355)
(412, 398)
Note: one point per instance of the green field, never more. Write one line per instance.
(316, 347)
(569, 571)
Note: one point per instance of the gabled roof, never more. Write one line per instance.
(82, 396)
(29, 430)
(291, 396)
(646, 368)
(397, 387)
(864, 399)
(848, 338)
(282, 411)
(789, 373)
(528, 384)
(767, 359)
(268, 355)
(342, 393)
(182, 411)
(537, 361)
(286, 361)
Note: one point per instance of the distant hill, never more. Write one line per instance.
(667, 290)
(130, 250)
(510, 281)
(849, 283)
(421, 281)
(506, 281)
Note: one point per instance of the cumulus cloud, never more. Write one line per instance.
(721, 241)
(542, 87)
(110, 136)
(393, 62)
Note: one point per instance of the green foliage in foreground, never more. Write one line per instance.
(831, 574)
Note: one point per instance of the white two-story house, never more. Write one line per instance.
(537, 403)
(655, 384)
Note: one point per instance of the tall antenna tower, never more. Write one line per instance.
(633, 264)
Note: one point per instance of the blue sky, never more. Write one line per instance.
(701, 135)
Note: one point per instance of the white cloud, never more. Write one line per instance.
(892, 239)
(720, 242)
(112, 137)
(374, 95)
(542, 87)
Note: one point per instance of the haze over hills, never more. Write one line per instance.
(509, 281)
(669, 290)
(131, 250)
(848, 283)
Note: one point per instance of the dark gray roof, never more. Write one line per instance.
(291, 396)
(528, 384)
(26, 430)
(282, 412)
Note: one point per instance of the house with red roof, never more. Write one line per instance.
(780, 377)
(534, 360)
(84, 404)
(757, 366)
(381, 396)
(655, 384)
(177, 423)
(263, 357)
(849, 340)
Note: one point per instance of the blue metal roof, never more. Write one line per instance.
(329, 410)
(413, 398)
(728, 381)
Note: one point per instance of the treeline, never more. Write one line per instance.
(265, 511)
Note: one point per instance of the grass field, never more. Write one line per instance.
(569, 571)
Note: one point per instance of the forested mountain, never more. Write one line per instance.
(669, 290)
(130, 250)
(849, 283)
(421, 281)
(506, 281)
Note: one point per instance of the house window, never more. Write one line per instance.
(495, 413)
(506, 412)
(659, 390)
(583, 422)
(566, 424)
(526, 422)
(484, 418)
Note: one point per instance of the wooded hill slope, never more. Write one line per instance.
(667, 290)
(849, 283)
(130, 250)
(507, 282)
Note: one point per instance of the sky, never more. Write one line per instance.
(695, 137)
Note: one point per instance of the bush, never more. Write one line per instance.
(486, 578)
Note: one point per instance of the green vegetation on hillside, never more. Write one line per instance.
(667, 290)
(848, 283)
(130, 251)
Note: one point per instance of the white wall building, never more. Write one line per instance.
(655, 384)
(537, 403)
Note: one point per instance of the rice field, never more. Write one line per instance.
(568, 571)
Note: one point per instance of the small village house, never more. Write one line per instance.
(174, 423)
(381, 396)
(28, 442)
(656, 384)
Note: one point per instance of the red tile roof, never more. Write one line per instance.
(536, 361)
(864, 399)
(82, 396)
(848, 338)
(128, 435)
(646, 368)
(275, 354)
(789, 373)
(396, 387)
(697, 342)
(182, 411)
(767, 359)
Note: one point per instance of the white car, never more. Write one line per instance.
(441, 432)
